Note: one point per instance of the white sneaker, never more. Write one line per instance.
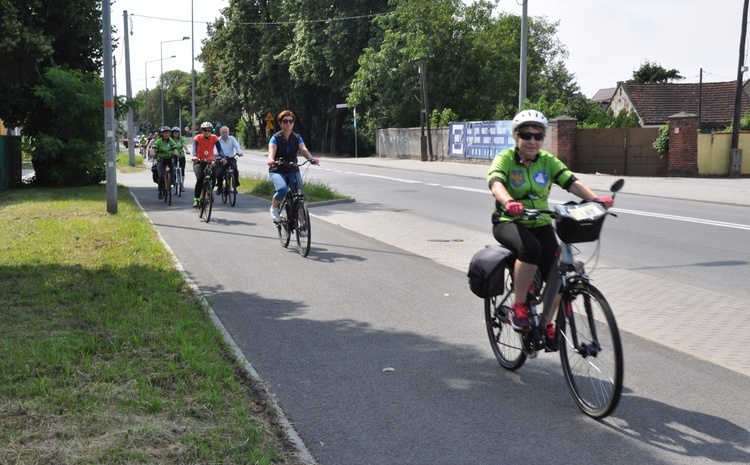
(275, 215)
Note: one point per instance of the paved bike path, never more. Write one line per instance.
(628, 289)
(324, 332)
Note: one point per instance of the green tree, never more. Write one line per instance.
(472, 67)
(67, 150)
(37, 35)
(654, 73)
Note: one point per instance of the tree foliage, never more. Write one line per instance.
(654, 73)
(68, 148)
(50, 86)
(38, 35)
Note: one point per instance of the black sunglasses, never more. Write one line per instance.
(287, 120)
(529, 135)
(206, 130)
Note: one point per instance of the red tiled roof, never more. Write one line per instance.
(655, 103)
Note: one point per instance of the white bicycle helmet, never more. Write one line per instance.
(529, 118)
(207, 125)
(175, 129)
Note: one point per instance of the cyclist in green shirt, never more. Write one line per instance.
(521, 177)
(164, 148)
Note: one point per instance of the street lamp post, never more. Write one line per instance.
(145, 77)
(161, 75)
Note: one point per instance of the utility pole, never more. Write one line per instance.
(192, 69)
(129, 93)
(426, 143)
(735, 156)
(109, 112)
(524, 48)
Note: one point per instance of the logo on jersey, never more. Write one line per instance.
(541, 178)
(516, 178)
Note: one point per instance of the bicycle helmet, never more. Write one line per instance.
(207, 125)
(165, 129)
(529, 118)
(175, 129)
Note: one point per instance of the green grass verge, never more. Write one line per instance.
(123, 163)
(315, 191)
(107, 354)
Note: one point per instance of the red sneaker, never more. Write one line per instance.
(519, 317)
(550, 338)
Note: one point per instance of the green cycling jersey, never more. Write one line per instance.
(530, 186)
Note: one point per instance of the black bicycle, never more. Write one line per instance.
(228, 187)
(178, 179)
(587, 333)
(294, 214)
(206, 200)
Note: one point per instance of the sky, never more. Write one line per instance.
(606, 39)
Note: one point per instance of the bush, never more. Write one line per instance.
(661, 144)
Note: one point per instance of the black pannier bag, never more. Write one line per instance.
(487, 271)
(154, 173)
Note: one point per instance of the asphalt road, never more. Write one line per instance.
(325, 332)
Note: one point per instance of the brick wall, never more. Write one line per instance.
(562, 138)
(683, 145)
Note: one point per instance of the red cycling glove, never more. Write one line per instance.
(514, 208)
(606, 201)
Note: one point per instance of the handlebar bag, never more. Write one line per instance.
(579, 222)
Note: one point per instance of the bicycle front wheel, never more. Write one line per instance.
(178, 183)
(167, 187)
(590, 350)
(208, 200)
(232, 191)
(202, 203)
(302, 228)
(282, 226)
(506, 343)
(224, 189)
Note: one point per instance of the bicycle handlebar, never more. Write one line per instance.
(281, 162)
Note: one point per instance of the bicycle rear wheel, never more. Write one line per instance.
(302, 228)
(285, 235)
(590, 350)
(506, 343)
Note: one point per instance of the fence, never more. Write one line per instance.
(10, 162)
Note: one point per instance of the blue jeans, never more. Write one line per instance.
(281, 182)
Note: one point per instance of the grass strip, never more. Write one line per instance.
(106, 355)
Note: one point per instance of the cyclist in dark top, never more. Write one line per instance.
(285, 145)
(521, 177)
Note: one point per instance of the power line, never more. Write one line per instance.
(272, 23)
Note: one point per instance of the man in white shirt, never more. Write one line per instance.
(230, 146)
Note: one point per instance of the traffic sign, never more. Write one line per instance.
(269, 117)
(269, 125)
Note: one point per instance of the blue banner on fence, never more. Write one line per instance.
(479, 139)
